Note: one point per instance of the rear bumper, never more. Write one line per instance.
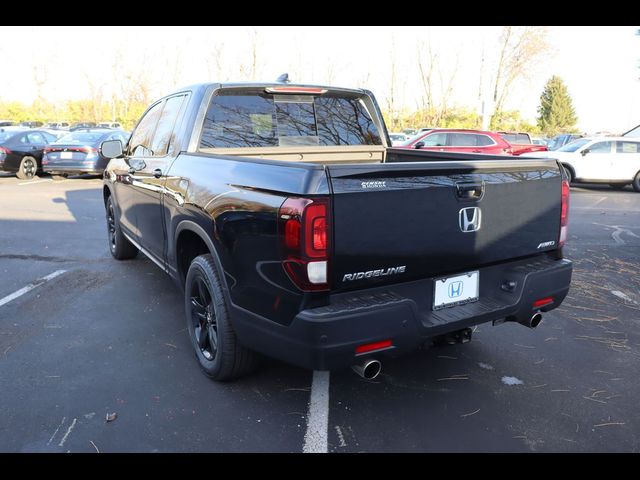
(72, 169)
(326, 338)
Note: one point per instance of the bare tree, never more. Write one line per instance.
(214, 63)
(253, 69)
(520, 48)
(426, 67)
(432, 76)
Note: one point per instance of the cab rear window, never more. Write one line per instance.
(242, 119)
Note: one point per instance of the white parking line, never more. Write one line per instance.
(623, 296)
(31, 286)
(315, 438)
(32, 182)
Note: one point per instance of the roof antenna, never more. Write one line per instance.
(284, 78)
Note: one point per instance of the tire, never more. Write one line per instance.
(28, 168)
(213, 338)
(119, 246)
(618, 186)
(569, 173)
(636, 182)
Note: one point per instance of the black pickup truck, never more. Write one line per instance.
(295, 231)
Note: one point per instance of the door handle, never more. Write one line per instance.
(157, 173)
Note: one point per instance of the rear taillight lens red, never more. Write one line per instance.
(5, 150)
(304, 228)
(564, 213)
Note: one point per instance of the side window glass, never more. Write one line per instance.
(627, 147)
(143, 134)
(600, 147)
(164, 132)
(435, 140)
(36, 138)
(484, 141)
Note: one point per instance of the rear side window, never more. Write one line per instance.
(245, 119)
(627, 147)
(484, 141)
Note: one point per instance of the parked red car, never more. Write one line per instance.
(466, 141)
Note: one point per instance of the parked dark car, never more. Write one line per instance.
(293, 230)
(78, 152)
(21, 151)
(561, 140)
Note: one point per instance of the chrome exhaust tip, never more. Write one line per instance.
(369, 369)
(535, 320)
(532, 322)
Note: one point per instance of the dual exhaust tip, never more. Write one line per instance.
(369, 369)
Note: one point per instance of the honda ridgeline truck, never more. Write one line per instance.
(297, 232)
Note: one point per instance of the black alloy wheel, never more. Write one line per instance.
(203, 318)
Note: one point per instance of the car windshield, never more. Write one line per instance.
(244, 119)
(80, 138)
(573, 146)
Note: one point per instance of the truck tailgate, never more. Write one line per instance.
(396, 222)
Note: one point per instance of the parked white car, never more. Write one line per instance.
(398, 138)
(612, 160)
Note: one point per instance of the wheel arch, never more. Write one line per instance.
(189, 241)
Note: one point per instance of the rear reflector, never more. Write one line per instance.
(372, 347)
(543, 302)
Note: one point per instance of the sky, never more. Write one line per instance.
(600, 65)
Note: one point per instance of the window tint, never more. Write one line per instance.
(600, 147)
(573, 146)
(141, 138)
(484, 140)
(627, 147)
(164, 131)
(36, 138)
(463, 140)
(435, 140)
(262, 120)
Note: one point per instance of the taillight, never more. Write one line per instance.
(5, 150)
(46, 150)
(304, 228)
(564, 213)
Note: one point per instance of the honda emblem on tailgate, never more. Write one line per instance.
(470, 219)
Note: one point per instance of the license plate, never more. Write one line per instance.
(66, 155)
(457, 290)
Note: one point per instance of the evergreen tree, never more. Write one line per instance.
(556, 108)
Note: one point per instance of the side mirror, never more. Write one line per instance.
(584, 152)
(419, 145)
(111, 148)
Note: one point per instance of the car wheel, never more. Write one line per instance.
(618, 186)
(569, 173)
(28, 168)
(119, 246)
(213, 338)
(636, 182)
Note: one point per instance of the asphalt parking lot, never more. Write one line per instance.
(102, 337)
